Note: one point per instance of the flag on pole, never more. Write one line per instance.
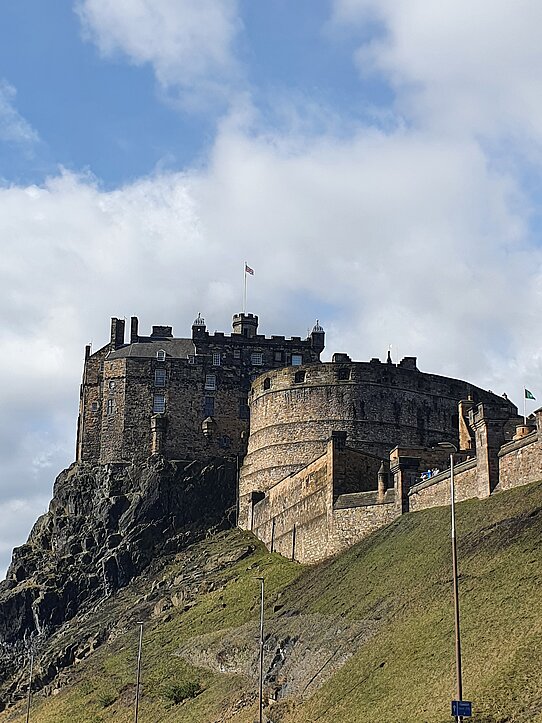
(248, 270)
(528, 394)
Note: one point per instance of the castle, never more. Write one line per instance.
(330, 451)
(185, 398)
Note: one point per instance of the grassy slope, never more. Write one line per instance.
(401, 577)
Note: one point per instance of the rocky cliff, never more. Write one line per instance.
(104, 526)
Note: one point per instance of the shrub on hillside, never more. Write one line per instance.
(178, 692)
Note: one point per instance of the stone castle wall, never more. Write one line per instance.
(513, 463)
(294, 412)
(520, 461)
(309, 516)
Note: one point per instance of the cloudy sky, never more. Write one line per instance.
(376, 162)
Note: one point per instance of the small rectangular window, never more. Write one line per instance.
(161, 355)
(191, 359)
(297, 360)
(237, 353)
(110, 406)
(256, 359)
(208, 406)
(160, 378)
(159, 404)
(344, 374)
(299, 377)
(210, 381)
(278, 356)
(95, 406)
(217, 359)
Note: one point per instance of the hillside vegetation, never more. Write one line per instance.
(365, 637)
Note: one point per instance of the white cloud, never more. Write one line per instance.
(456, 66)
(13, 127)
(188, 43)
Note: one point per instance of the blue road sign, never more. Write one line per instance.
(461, 707)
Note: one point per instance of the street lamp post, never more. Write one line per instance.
(138, 678)
(262, 589)
(459, 679)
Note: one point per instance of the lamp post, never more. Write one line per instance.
(136, 713)
(459, 679)
(262, 581)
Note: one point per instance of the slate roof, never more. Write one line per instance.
(175, 348)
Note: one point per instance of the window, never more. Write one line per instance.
(244, 411)
(267, 383)
(111, 385)
(110, 406)
(297, 360)
(160, 378)
(208, 406)
(217, 359)
(343, 374)
(159, 404)
(95, 406)
(256, 359)
(191, 359)
(224, 441)
(278, 356)
(299, 377)
(210, 381)
(161, 355)
(237, 353)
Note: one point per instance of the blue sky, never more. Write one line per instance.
(109, 116)
(377, 163)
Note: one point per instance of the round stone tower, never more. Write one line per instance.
(294, 410)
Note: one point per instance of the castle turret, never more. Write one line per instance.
(245, 324)
(318, 338)
(198, 327)
(383, 478)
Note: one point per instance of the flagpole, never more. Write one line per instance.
(245, 288)
(524, 407)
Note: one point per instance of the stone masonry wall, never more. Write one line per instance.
(520, 462)
(294, 410)
(353, 524)
(90, 406)
(113, 410)
(435, 492)
(298, 518)
(302, 502)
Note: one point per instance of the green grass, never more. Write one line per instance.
(400, 578)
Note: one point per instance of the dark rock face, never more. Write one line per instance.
(104, 526)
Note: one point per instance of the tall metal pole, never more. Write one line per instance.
(459, 681)
(29, 695)
(237, 491)
(261, 650)
(136, 715)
